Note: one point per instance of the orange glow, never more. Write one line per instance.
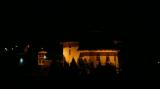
(41, 59)
(99, 51)
(70, 51)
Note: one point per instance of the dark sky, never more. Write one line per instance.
(47, 18)
(79, 16)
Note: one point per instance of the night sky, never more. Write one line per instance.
(60, 19)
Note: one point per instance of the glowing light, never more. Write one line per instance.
(21, 61)
(5, 49)
(28, 46)
(16, 46)
(45, 57)
(115, 42)
(98, 51)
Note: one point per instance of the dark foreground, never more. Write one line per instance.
(58, 81)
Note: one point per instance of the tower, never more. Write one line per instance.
(70, 51)
(41, 57)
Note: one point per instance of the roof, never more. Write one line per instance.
(97, 45)
(101, 51)
(98, 53)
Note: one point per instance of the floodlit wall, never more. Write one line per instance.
(70, 51)
(103, 60)
(112, 59)
(41, 59)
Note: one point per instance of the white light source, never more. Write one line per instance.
(21, 61)
(45, 57)
(5, 49)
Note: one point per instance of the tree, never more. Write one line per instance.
(73, 69)
(110, 71)
(80, 62)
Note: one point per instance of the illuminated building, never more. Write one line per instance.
(71, 51)
(42, 59)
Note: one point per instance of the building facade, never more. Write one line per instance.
(71, 51)
(42, 59)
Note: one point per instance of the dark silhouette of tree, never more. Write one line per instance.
(92, 70)
(55, 71)
(110, 71)
(84, 69)
(73, 64)
(65, 64)
(30, 60)
(8, 65)
(98, 71)
(73, 69)
(80, 62)
(65, 69)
